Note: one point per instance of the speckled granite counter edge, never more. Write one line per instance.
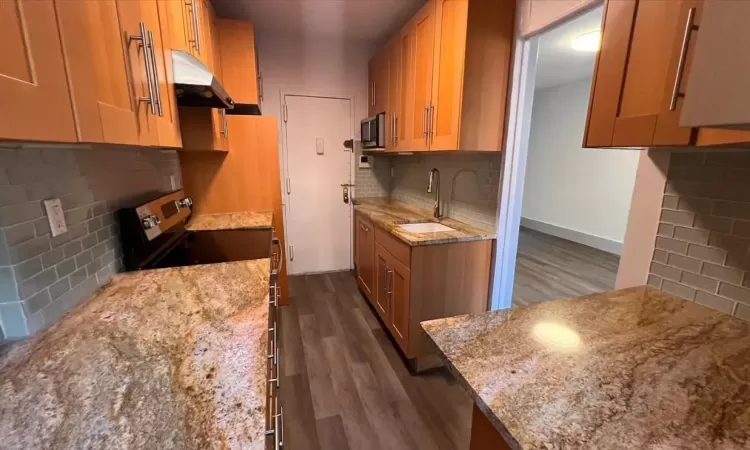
(496, 422)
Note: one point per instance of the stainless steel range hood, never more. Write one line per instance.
(195, 85)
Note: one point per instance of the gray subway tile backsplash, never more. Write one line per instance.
(41, 276)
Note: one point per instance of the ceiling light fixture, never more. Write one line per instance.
(588, 42)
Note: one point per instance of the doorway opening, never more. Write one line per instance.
(317, 168)
(564, 208)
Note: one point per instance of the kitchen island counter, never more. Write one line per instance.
(633, 369)
(167, 358)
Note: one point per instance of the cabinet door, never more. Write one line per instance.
(405, 115)
(156, 14)
(180, 24)
(394, 94)
(382, 285)
(398, 279)
(239, 70)
(447, 81)
(382, 74)
(635, 73)
(365, 244)
(109, 73)
(718, 98)
(33, 84)
(420, 93)
(371, 87)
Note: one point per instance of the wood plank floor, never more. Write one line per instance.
(345, 386)
(549, 268)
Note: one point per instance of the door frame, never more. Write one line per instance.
(513, 172)
(284, 167)
(523, 78)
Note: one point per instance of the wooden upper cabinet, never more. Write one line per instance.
(717, 98)
(634, 102)
(404, 114)
(156, 15)
(110, 70)
(450, 49)
(239, 69)
(453, 76)
(33, 84)
(422, 29)
(393, 110)
(371, 87)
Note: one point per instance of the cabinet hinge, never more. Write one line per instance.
(285, 113)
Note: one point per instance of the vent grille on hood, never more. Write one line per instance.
(195, 85)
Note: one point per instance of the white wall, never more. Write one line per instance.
(579, 194)
(326, 67)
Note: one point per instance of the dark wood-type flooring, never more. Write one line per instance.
(549, 268)
(344, 386)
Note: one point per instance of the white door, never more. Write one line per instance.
(318, 222)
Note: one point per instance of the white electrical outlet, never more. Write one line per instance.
(55, 216)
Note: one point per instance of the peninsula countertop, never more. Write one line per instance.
(389, 214)
(629, 369)
(167, 358)
(247, 220)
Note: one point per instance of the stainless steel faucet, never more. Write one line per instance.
(435, 175)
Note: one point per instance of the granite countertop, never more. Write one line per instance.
(247, 220)
(159, 359)
(629, 369)
(389, 214)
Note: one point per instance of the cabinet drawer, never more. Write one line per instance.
(400, 250)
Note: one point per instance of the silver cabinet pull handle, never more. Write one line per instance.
(689, 28)
(223, 113)
(155, 67)
(389, 283)
(143, 43)
(260, 85)
(396, 127)
(226, 125)
(424, 121)
(274, 299)
(363, 226)
(197, 36)
(281, 423)
(273, 342)
(430, 123)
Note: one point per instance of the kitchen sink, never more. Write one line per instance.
(427, 227)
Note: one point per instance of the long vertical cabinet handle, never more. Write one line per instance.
(689, 28)
(196, 30)
(424, 122)
(431, 126)
(155, 67)
(143, 43)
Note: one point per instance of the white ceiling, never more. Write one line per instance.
(557, 62)
(371, 21)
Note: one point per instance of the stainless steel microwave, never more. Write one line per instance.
(373, 132)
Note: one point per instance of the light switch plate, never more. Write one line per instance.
(55, 216)
(319, 146)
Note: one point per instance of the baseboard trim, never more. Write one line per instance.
(591, 240)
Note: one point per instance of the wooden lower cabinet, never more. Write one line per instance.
(381, 297)
(484, 436)
(364, 254)
(414, 284)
